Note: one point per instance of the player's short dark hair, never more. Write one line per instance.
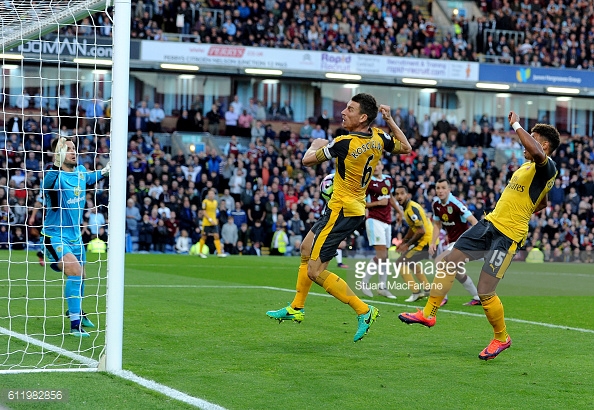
(402, 187)
(367, 105)
(443, 180)
(549, 133)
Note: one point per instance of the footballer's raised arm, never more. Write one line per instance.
(530, 144)
(401, 144)
(310, 158)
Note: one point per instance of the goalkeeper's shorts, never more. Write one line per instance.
(55, 249)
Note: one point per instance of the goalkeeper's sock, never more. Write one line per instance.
(72, 294)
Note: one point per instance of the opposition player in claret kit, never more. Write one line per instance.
(378, 226)
(64, 194)
(498, 236)
(356, 155)
(452, 215)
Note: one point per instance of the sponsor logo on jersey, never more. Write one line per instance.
(513, 184)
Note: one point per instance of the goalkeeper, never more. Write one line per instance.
(64, 193)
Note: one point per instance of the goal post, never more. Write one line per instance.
(117, 202)
(34, 332)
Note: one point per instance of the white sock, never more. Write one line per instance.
(339, 256)
(368, 276)
(382, 278)
(470, 288)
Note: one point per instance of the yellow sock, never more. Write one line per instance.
(303, 284)
(494, 310)
(202, 241)
(407, 277)
(341, 291)
(422, 278)
(441, 286)
(218, 246)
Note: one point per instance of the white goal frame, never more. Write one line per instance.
(16, 30)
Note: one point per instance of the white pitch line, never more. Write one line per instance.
(30, 340)
(168, 391)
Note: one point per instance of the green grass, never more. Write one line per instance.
(198, 326)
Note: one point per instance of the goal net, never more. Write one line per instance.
(52, 85)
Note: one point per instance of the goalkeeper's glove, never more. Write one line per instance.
(105, 170)
(60, 152)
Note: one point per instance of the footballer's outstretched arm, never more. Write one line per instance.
(530, 144)
(399, 136)
(310, 159)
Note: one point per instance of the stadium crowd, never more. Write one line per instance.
(268, 200)
(533, 33)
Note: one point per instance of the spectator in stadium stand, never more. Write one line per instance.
(184, 122)
(258, 131)
(214, 119)
(198, 122)
(244, 124)
(231, 118)
(318, 132)
(273, 112)
(155, 117)
(324, 122)
(285, 134)
(286, 111)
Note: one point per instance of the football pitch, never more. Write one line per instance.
(199, 326)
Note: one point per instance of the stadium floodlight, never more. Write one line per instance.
(180, 67)
(34, 334)
(419, 81)
(492, 86)
(340, 76)
(262, 71)
(92, 61)
(351, 85)
(563, 90)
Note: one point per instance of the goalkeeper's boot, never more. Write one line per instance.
(287, 313)
(365, 321)
(84, 320)
(417, 317)
(494, 348)
(78, 331)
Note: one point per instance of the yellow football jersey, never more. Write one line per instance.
(210, 210)
(416, 218)
(526, 188)
(356, 156)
